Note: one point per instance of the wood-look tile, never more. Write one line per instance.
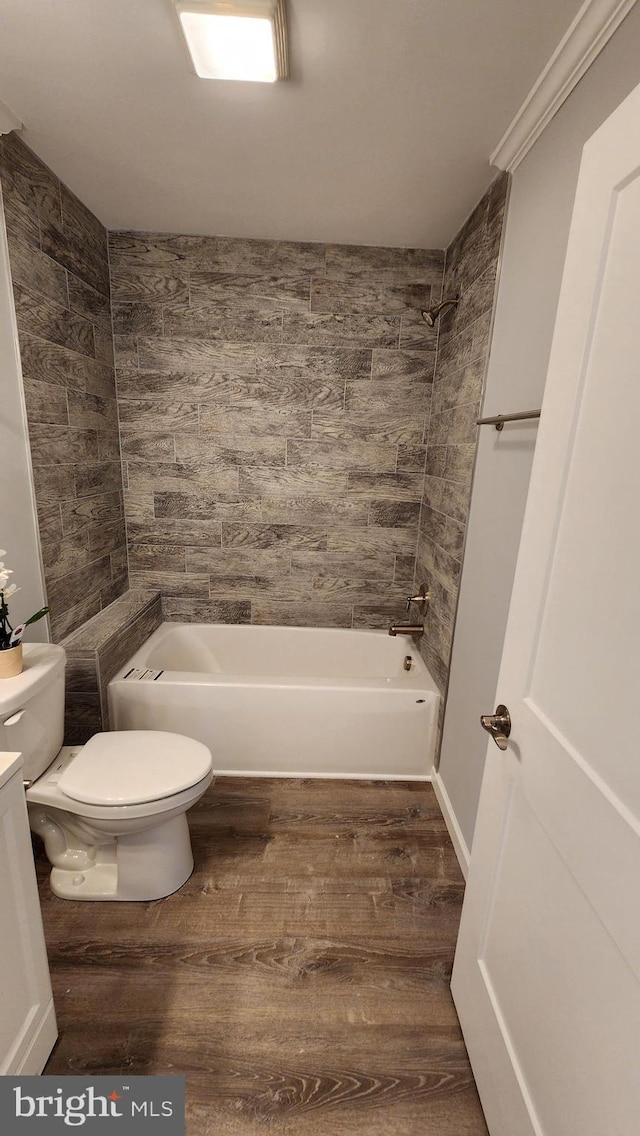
(52, 363)
(379, 617)
(356, 590)
(210, 321)
(98, 478)
(194, 354)
(367, 296)
(248, 587)
(243, 450)
(150, 285)
(177, 583)
(392, 365)
(208, 386)
(292, 482)
(37, 315)
(238, 561)
(285, 388)
(204, 506)
(109, 443)
(239, 420)
(138, 446)
(372, 539)
(64, 620)
(164, 477)
(459, 462)
(54, 483)
(460, 386)
(369, 425)
(390, 514)
(158, 414)
(157, 557)
(331, 330)
(448, 497)
(77, 514)
(36, 271)
(257, 257)
(346, 262)
(53, 445)
(372, 566)
(45, 402)
(137, 319)
(66, 554)
(328, 454)
(411, 459)
(106, 537)
(194, 610)
(396, 486)
(415, 333)
(397, 397)
(325, 511)
(90, 412)
(80, 583)
(454, 427)
(88, 302)
(273, 536)
(50, 521)
(239, 290)
(155, 530)
(307, 614)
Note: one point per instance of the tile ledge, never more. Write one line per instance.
(96, 633)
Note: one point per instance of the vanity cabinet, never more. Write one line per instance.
(27, 1017)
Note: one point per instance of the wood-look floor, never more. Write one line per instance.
(299, 979)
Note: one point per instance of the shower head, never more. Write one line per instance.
(431, 315)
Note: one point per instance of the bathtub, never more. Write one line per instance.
(285, 701)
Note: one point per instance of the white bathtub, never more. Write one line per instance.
(287, 701)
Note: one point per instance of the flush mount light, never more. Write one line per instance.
(236, 40)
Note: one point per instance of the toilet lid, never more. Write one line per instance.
(130, 767)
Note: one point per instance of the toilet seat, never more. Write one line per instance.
(134, 767)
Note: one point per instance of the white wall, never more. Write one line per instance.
(18, 523)
(536, 233)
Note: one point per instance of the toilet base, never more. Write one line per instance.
(137, 867)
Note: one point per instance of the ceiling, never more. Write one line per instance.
(380, 137)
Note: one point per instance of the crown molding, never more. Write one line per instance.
(590, 31)
(8, 120)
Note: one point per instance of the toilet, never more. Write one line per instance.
(111, 813)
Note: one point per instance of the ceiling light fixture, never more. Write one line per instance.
(236, 39)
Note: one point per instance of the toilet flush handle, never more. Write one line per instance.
(14, 719)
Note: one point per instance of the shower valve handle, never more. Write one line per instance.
(422, 598)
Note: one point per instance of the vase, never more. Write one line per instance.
(11, 662)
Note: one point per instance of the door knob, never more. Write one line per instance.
(498, 725)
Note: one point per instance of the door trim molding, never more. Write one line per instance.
(591, 30)
(450, 819)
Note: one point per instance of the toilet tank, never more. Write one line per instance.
(32, 708)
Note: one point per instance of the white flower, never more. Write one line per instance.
(10, 590)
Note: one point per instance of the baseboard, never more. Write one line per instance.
(451, 821)
(43, 1040)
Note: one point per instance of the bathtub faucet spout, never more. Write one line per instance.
(406, 629)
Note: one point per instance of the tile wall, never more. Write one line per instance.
(273, 400)
(60, 273)
(463, 348)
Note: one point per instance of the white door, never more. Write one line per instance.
(547, 972)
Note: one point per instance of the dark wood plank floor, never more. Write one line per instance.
(300, 979)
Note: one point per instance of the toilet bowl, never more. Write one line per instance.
(111, 813)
